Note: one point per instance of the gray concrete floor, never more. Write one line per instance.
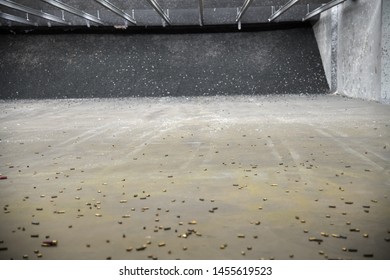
(195, 178)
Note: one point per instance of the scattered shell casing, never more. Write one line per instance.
(141, 248)
(314, 239)
(354, 230)
(49, 243)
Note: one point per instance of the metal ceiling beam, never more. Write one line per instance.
(323, 8)
(17, 19)
(201, 8)
(117, 11)
(74, 11)
(283, 9)
(22, 8)
(243, 9)
(160, 11)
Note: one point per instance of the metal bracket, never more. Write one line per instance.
(160, 11)
(74, 11)
(17, 19)
(243, 9)
(117, 11)
(283, 9)
(28, 10)
(322, 9)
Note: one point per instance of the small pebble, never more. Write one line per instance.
(161, 244)
(241, 235)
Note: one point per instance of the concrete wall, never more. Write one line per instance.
(385, 52)
(351, 48)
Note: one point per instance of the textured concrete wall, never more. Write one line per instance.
(323, 33)
(385, 52)
(326, 33)
(358, 47)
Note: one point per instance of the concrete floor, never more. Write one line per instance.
(242, 177)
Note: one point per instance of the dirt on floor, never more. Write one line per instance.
(282, 177)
